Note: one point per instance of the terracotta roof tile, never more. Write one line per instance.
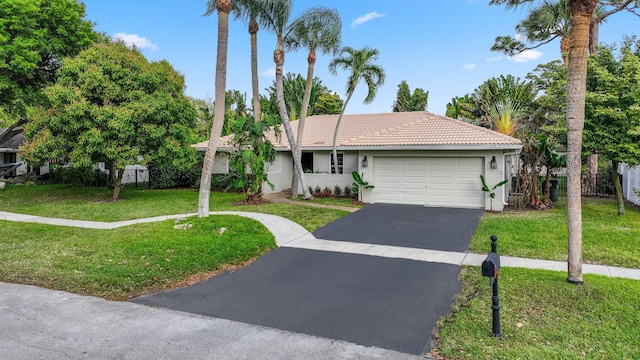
(408, 129)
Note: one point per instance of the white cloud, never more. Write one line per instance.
(527, 55)
(363, 19)
(269, 73)
(469, 66)
(137, 40)
(494, 59)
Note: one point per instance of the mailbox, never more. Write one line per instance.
(491, 265)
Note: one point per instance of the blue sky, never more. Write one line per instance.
(439, 46)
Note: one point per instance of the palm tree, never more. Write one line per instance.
(250, 11)
(224, 8)
(503, 100)
(360, 63)
(317, 29)
(278, 15)
(581, 16)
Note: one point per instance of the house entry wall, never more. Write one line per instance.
(429, 181)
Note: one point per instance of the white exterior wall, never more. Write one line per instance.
(630, 180)
(492, 176)
(279, 173)
(330, 180)
(135, 173)
(23, 169)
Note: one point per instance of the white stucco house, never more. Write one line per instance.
(9, 155)
(415, 158)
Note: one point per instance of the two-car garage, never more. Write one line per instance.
(429, 181)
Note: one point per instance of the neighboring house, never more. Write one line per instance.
(630, 180)
(410, 158)
(9, 155)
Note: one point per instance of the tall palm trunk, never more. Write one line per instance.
(581, 13)
(311, 59)
(278, 58)
(335, 132)
(253, 30)
(223, 7)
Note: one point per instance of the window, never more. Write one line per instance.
(307, 162)
(340, 163)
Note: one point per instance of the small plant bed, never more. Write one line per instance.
(542, 317)
(118, 264)
(346, 202)
(607, 238)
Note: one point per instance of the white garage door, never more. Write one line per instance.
(448, 182)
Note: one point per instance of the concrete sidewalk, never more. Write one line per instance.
(291, 234)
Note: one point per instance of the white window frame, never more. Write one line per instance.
(340, 167)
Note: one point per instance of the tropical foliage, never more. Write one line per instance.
(34, 37)
(109, 104)
(405, 101)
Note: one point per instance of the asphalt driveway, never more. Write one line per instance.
(415, 226)
(372, 301)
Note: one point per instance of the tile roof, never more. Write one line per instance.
(13, 142)
(391, 130)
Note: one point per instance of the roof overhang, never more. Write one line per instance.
(486, 147)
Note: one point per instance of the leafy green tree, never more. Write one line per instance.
(252, 155)
(110, 104)
(293, 85)
(405, 101)
(317, 29)
(581, 12)
(34, 36)
(204, 116)
(223, 7)
(328, 104)
(612, 115)
(463, 108)
(361, 67)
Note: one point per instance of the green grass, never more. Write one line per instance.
(543, 317)
(91, 203)
(120, 263)
(137, 259)
(607, 238)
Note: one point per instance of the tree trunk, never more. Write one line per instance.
(581, 12)
(335, 133)
(218, 111)
(547, 186)
(117, 184)
(112, 174)
(311, 60)
(565, 46)
(278, 57)
(253, 30)
(618, 186)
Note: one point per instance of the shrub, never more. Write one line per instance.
(78, 176)
(317, 190)
(337, 191)
(347, 192)
(327, 191)
(310, 190)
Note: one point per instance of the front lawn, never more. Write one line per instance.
(606, 237)
(543, 317)
(120, 263)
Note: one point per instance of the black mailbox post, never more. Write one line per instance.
(490, 269)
